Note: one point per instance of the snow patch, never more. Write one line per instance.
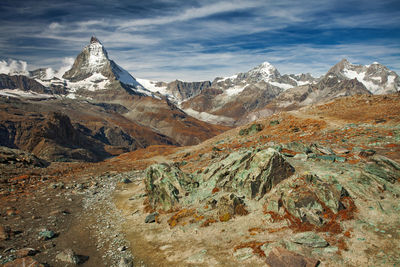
(283, 86)
(227, 78)
(24, 94)
(207, 117)
(93, 83)
(235, 90)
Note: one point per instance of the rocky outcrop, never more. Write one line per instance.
(19, 157)
(249, 174)
(167, 184)
(22, 83)
(309, 200)
(184, 90)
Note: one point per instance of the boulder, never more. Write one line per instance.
(68, 256)
(280, 257)
(250, 173)
(308, 199)
(125, 262)
(151, 217)
(309, 239)
(167, 184)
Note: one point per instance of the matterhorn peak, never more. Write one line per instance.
(94, 40)
(93, 65)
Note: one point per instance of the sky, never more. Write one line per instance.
(200, 40)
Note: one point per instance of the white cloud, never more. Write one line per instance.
(66, 65)
(13, 67)
(189, 14)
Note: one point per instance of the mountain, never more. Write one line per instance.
(176, 91)
(378, 79)
(263, 91)
(94, 111)
(94, 71)
(229, 99)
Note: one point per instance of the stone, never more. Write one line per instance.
(243, 254)
(309, 239)
(302, 157)
(46, 234)
(365, 153)
(151, 217)
(123, 248)
(254, 128)
(303, 199)
(167, 184)
(68, 256)
(280, 257)
(384, 168)
(250, 173)
(126, 181)
(323, 150)
(27, 261)
(340, 150)
(21, 253)
(229, 205)
(4, 232)
(125, 262)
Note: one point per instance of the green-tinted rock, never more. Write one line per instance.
(303, 198)
(309, 239)
(167, 184)
(254, 128)
(251, 174)
(384, 168)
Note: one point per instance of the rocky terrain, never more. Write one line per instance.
(316, 185)
(98, 168)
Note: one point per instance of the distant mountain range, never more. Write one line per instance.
(112, 103)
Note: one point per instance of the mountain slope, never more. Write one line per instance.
(378, 79)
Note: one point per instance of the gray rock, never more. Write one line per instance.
(126, 181)
(151, 217)
(68, 256)
(125, 262)
(310, 239)
(46, 234)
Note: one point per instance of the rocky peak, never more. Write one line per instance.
(95, 71)
(264, 71)
(93, 39)
(376, 78)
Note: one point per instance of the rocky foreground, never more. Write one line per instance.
(317, 186)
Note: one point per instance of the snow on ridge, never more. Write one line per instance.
(24, 94)
(93, 83)
(235, 90)
(284, 86)
(97, 55)
(207, 117)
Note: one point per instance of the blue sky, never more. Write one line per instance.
(200, 40)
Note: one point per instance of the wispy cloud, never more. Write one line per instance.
(196, 40)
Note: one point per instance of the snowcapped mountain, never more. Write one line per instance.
(262, 74)
(230, 98)
(93, 70)
(377, 78)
